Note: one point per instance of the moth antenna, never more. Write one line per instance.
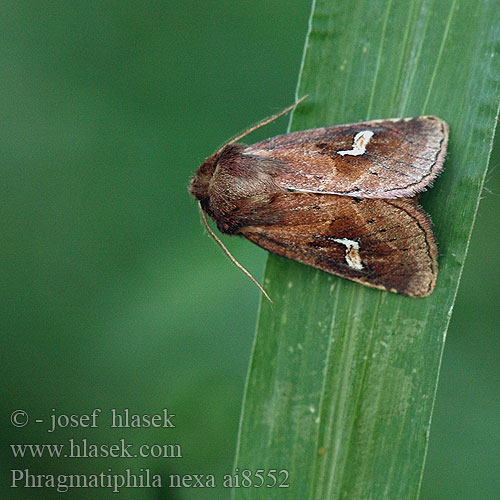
(263, 122)
(228, 253)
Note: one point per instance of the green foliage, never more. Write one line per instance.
(343, 378)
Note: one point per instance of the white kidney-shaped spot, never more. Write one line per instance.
(352, 256)
(361, 140)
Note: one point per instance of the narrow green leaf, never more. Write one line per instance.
(343, 378)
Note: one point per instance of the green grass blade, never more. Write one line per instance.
(343, 378)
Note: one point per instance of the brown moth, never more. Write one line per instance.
(342, 199)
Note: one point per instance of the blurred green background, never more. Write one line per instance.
(113, 296)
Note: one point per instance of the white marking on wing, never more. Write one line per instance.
(352, 256)
(361, 140)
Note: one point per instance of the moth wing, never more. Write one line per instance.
(385, 244)
(375, 159)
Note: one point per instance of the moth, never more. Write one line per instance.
(342, 199)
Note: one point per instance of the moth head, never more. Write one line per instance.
(200, 183)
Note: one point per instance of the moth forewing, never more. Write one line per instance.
(376, 159)
(340, 199)
(385, 244)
